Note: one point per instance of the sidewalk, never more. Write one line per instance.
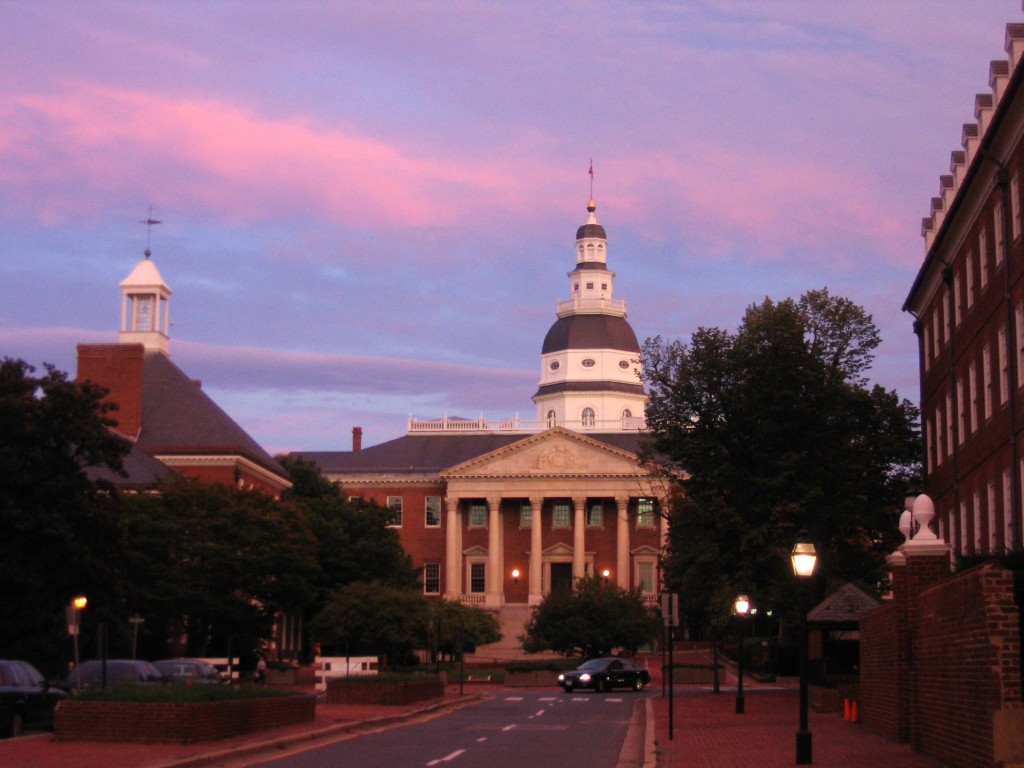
(707, 733)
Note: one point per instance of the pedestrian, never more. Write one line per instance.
(261, 671)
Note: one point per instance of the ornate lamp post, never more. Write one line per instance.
(742, 607)
(74, 621)
(804, 558)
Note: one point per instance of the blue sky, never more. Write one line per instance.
(369, 207)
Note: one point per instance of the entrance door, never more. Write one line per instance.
(561, 576)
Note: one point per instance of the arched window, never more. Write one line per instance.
(627, 414)
(588, 417)
(551, 419)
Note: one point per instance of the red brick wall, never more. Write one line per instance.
(879, 683)
(177, 722)
(118, 367)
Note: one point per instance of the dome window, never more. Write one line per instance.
(588, 362)
(623, 364)
(589, 417)
(554, 365)
(551, 419)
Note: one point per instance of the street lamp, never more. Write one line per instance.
(804, 557)
(515, 575)
(606, 573)
(741, 606)
(74, 620)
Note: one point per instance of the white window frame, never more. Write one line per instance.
(983, 256)
(962, 408)
(477, 514)
(1003, 363)
(957, 300)
(997, 232)
(474, 566)
(990, 499)
(1015, 205)
(428, 503)
(645, 513)
(431, 575)
(639, 566)
(395, 505)
(595, 520)
(972, 395)
(969, 271)
(561, 515)
(949, 423)
(526, 516)
(986, 375)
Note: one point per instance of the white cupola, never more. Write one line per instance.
(145, 316)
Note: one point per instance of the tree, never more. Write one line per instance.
(452, 625)
(57, 530)
(589, 621)
(366, 618)
(215, 563)
(773, 429)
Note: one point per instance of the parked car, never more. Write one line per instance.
(605, 674)
(189, 671)
(26, 699)
(89, 674)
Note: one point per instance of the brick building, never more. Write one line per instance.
(173, 425)
(500, 513)
(968, 302)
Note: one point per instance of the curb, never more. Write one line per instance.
(342, 729)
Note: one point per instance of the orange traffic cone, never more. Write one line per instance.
(853, 712)
(846, 709)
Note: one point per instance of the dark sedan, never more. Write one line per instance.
(189, 671)
(26, 700)
(605, 674)
(93, 674)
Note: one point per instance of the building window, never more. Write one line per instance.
(949, 423)
(645, 576)
(940, 432)
(395, 505)
(552, 421)
(991, 501)
(594, 514)
(590, 286)
(432, 512)
(477, 515)
(645, 513)
(560, 515)
(986, 375)
(1002, 362)
(1018, 322)
(983, 256)
(525, 515)
(588, 362)
(928, 351)
(961, 421)
(972, 395)
(432, 578)
(957, 300)
(969, 267)
(1015, 205)
(997, 230)
(976, 516)
(588, 417)
(477, 578)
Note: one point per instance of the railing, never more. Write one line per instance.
(526, 426)
(592, 306)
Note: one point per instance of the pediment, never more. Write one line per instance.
(554, 452)
(560, 549)
(645, 551)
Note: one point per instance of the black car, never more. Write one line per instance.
(26, 700)
(89, 674)
(189, 671)
(605, 674)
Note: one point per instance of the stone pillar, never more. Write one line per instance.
(452, 550)
(622, 572)
(495, 555)
(536, 552)
(579, 537)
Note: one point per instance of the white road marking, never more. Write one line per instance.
(508, 727)
(539, 713)
(548, 698)
(447, 758)
(613, 701)
(482, 738)
(513, 698)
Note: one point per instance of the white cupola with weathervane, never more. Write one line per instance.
(590, 361)
(145, 315)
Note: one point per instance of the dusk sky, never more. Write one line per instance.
(369, 208)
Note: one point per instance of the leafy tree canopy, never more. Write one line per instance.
(452, 625)
(591, 620)
(57, 534)
(775, 430)
(216, 563)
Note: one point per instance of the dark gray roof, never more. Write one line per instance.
(844, 607)
(421, 454)
(589, 386)
(590, 332)
(143, 471)
(592, 265)
(591, 230)
(179, 418)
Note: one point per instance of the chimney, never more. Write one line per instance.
(357, 439)
(119, 368)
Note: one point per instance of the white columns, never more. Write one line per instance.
(536, 551)
(452, 550)
(622, 573)
(495, 554)
(579, 540)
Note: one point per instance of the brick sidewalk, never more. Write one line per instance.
(708, 733)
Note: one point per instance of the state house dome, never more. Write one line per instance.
(591, 332)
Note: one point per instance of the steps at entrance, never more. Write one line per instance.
(513, 618)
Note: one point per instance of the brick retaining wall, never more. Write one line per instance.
(353, 691)
(177, 722)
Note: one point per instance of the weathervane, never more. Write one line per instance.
(149, 221)
(591, 172)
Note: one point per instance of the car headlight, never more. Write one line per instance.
(584, 677)
(561, 678)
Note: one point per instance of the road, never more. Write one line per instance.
(540, 730)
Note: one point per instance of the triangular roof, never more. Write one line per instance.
(844, 607)
(556, 451)
(179, 418)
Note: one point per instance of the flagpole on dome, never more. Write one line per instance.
(591, 172)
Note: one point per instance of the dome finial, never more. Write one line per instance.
(591, 205)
